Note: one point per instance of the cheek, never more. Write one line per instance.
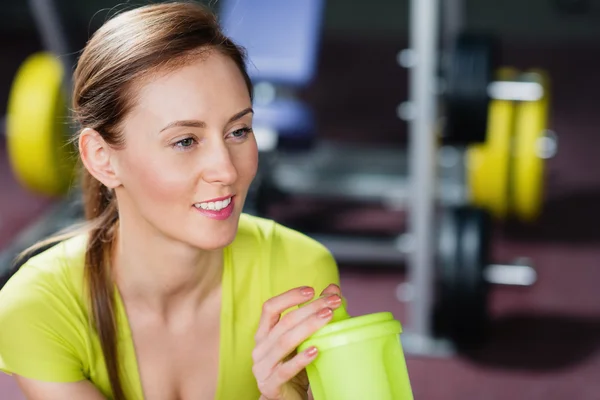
(152, 179)
(246, 162)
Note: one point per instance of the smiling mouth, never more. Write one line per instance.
(214, 205)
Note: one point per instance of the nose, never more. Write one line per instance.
(218, 165)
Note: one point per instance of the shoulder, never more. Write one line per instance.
(43, 309)
(267, 231)
(292, 258)
(56, 273)
(278, 240)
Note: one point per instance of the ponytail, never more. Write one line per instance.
(101, 208)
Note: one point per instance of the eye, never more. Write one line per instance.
(240, 134)
(184, 143)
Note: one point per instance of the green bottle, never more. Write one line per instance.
(360, 358)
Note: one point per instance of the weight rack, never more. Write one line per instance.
(435, 25)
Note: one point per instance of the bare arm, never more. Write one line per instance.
(38, 390)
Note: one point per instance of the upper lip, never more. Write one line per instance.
(216, 199)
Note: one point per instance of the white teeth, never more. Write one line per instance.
(214, 205)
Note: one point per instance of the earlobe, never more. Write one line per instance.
(96, 157)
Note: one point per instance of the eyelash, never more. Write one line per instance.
(177, 145)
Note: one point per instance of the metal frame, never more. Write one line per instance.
(58, 217)
(52, 34)
(423, 28)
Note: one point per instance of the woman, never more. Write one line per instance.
(170, 292)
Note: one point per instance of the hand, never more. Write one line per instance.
(278, 370)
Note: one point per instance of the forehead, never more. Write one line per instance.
(208, 86)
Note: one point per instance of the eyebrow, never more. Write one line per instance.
(194, 123)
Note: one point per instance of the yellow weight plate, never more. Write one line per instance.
(37, 127)
(531, 119)
(488, 163)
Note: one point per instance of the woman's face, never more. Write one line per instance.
(190, 154)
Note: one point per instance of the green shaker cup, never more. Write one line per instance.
(360, 358)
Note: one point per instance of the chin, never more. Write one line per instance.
(215, 237)
(214, 243)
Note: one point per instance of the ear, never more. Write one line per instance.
(96, 157)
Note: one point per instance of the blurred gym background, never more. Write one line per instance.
(351, 94)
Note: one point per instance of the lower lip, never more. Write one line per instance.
(218, 215)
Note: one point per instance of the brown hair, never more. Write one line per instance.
(128, 48)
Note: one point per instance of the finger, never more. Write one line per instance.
(286, 371)
(273, 308)
(294, 318)
(290, 340)
(332, 289)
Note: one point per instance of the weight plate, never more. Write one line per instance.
(469, 72)
(531, 119)
(447, 260)
(488, 164)
(37, 131)
(461, 312)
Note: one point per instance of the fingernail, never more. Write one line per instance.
(325, 313)
(311, 352)
(307, 291)
(334, 300)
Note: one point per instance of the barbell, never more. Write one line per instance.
(505, 174)
(500, 116)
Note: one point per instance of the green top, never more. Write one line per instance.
(44, 313)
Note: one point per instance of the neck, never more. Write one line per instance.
(161, 275)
